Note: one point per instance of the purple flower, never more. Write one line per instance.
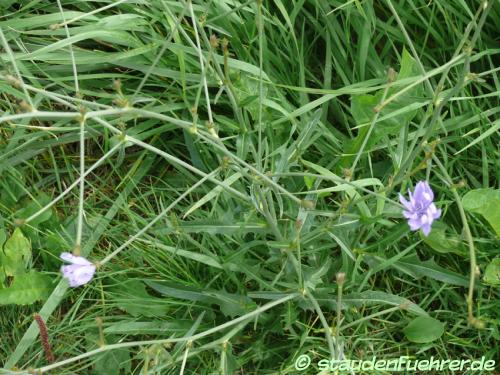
(420, 210)
(79, 272)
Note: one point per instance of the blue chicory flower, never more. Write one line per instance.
(420, 210)
(79, 272)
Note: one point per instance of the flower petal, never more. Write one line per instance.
(420, 210)
(426, 229)
(424, 219)
(406, 204)
(414, 224)
(408, 214)
(83, 275)
(70, 258)
(423, 193)
(78, 275)
(433, 211)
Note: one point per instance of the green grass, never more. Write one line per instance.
(238, 156)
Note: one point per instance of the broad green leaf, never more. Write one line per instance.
(178, 291)
(42, 19)
(26, 289)
(147, 328)
(216, 227)
(113, 362)
(417, 268)
(373, 297)
(118, 37)
(492, 272)
(424, 329)
(313, 275)
(198, 257)
(132, 297)
(231, 304)
(485, 202)
(362, 107)
(443, 242)
(16, 254)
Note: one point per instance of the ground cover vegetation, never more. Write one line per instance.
(248, 182)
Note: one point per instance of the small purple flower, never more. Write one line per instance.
(420, 210)
(79, 272)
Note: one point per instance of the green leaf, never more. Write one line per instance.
(176, 326)
(178, 291)
(5, 4)
(26, 289)
(245, 89)
(417, 268)
(395, 115)
(312, 275)
(112, 362)
(228, 363)
(216, 227)
(492, 272)
(53, 244)
(211, 261)
(485, 202)
(212, 194)
(309, 181)
(230, 304)
(3, 237)
(16, 254)
(443, 242)
(374, 297)
(34, 206)
(131, 296)
(424, 329)
(12, 187)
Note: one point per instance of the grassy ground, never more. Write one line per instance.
(242, 162)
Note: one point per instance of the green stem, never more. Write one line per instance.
(470, 241)
(328, 331)
(81, 196)
(260, 26)
(339, 315)
(16, 69)
(202, 65)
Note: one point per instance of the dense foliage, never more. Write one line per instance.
(241, 164)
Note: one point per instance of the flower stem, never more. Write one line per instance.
(475, 322)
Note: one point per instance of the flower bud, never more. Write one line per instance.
(340, 278)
